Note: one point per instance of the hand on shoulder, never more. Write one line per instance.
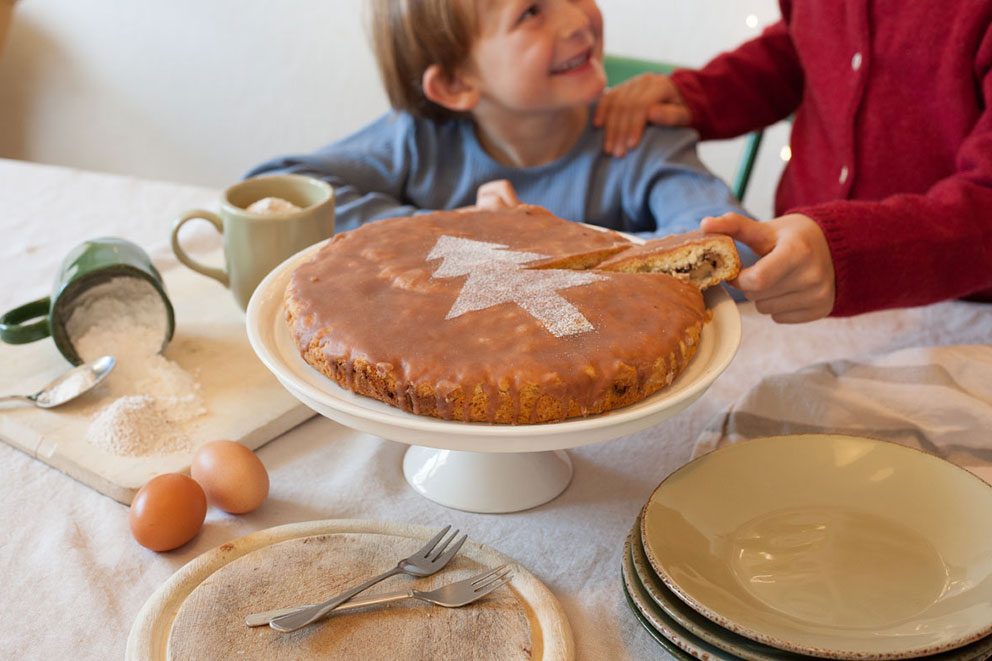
(793, 281)
(626, 109)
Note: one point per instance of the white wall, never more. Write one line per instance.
(199, 90)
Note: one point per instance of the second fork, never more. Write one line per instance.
(431, 558)
(452, 595)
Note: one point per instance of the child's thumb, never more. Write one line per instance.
(756, 235)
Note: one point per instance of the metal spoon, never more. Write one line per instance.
(70, 385)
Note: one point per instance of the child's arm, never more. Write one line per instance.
(756, 85)
(753, 86)
(902, 251)
(368, 171)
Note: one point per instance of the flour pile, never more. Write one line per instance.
(154, 403)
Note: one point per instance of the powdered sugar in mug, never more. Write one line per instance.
(99, 280)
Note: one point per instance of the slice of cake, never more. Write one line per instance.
(702, 259)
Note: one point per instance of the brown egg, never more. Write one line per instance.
(167, 512)
(234, 479)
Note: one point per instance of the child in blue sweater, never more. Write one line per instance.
(499, 95)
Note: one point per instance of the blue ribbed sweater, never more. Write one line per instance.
(401, 165)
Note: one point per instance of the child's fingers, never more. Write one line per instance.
(602, 109)
(510, 194)
(799, 316)
(758, 236)
(791, 302)
(497, 194)
(669, 114)
(634, 129)
(615, 121)
(794, 308)
(762, 279)
(796, 305)
(769, 275)
(625, 130)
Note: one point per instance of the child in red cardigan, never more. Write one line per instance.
(887, 200)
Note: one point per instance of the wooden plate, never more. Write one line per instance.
(199, 612)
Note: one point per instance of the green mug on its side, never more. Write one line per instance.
(256, 243)
(90, 264)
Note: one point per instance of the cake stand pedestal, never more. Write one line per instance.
(487, 483)
(473, 466)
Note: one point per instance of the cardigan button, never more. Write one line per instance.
(843, 175)
(856, 61)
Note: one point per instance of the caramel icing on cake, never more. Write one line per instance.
(441, 315)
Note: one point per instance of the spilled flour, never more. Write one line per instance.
(153, 402)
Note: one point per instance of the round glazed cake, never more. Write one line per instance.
(490, 316)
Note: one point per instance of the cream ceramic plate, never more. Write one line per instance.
(200, 611)
(686, 624)
(834, 546)
(271, 340)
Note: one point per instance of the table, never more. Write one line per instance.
(74, 579)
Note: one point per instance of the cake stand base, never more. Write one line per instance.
(489, 483)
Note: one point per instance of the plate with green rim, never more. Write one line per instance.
(693, 622)
(659, 621)
(669, 646)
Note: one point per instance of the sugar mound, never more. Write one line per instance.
(154, 403)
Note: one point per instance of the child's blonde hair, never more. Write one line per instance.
(408, 36)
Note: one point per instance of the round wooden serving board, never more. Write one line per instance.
(199, 612)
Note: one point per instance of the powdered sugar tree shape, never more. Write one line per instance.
(495, 277)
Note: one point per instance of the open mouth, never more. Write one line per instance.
(573, 64)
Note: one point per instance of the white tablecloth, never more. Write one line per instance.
(73, 579)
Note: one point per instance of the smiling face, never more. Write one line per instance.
(538, 56)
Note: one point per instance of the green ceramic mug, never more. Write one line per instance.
(256, 243)
(90, 264)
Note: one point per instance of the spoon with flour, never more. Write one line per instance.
(70, 385)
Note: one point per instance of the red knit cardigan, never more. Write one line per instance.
(891, 142)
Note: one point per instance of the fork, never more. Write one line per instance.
(452, 595)
(431, 558)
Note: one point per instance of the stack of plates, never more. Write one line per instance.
(819, 545)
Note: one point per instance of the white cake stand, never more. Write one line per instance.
(473, 466)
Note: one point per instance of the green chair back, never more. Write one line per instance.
(619, 69)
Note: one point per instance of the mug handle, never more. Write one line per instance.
(217, 274)
(13, 330)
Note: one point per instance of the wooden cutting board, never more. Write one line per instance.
(199, 612)
(244, 401)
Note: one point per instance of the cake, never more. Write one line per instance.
(700, 258)
(443, 315)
